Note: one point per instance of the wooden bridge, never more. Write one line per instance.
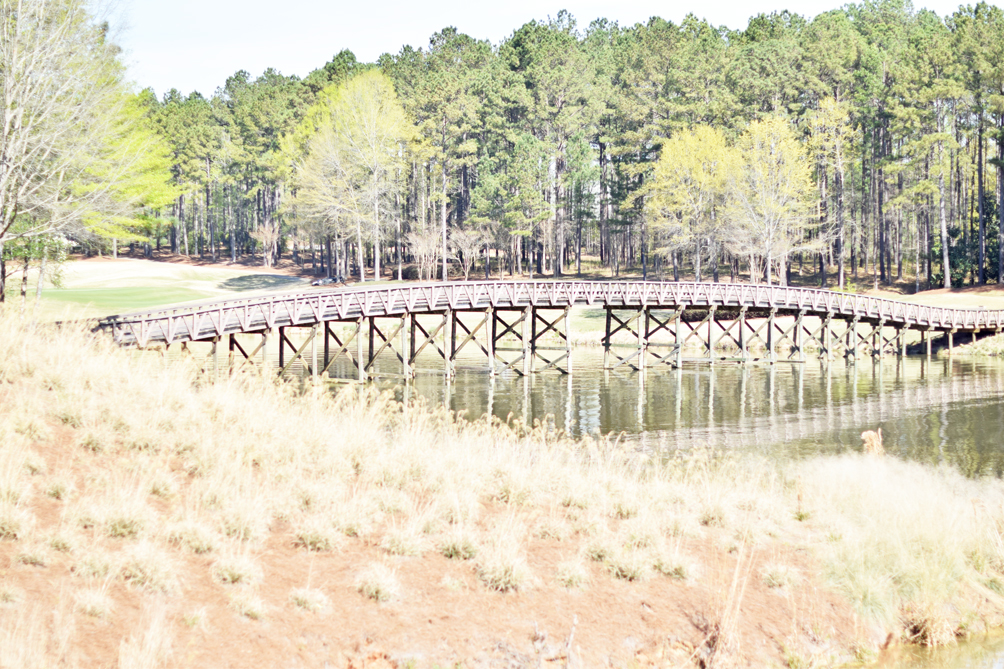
(523, 326)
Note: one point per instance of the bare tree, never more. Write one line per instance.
(466, 244)
(425, 246)
(61, 99)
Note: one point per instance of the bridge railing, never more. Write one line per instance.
(216, 318)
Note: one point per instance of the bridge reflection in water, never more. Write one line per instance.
(939, 410)
(523, 326)
(518, 337)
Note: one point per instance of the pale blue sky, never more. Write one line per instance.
(196, 44)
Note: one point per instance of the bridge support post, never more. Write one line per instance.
(712, 337)
(643, 325)
(771, 354)
(372, 342)
(827, 336)
(951, 341)
(877, 342)
(743, 343)
(679, 338)
(525, 329)
(449, 343)
(327, 350)
(361, 363)
(232, 340)
(407, 354)
(568, 344)
(927, 335)
(606, 341)
(799, 339)
(216, 358)
(490, 340)
(282, 351)
(902, 341)
(851, 335)
(313, 353)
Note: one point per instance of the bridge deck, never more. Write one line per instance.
(211, 320)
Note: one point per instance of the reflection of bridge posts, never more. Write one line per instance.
(679, 395)
(771, 353)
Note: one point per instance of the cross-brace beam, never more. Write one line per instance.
(342, 345)
(297, 352)
(503, 326)
(470, 338)
(428, 338)
(559, 326)
(235, 347)
(386, 342)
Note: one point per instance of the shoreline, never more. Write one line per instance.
(145, 505)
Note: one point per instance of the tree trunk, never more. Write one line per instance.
(838, 186)
(359, 250)
(3, 276)
(376, 238)
(979, 201)
(181, 218)
(1000, 199)
(446, 272)
(41, 277)
(945, 261)
(24, 284)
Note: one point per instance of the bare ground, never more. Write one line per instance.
(444, 615)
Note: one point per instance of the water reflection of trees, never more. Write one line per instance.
(940, 411)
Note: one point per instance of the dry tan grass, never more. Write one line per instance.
(183, 466)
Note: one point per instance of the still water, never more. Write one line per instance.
(936, 411)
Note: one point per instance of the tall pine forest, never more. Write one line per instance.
(608, 150)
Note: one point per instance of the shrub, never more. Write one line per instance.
(379, 583)
(572, 574)
(308, 599)
(458, 546)
(236, 569)
(148, 567)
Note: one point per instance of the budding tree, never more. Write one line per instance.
(60, 99)
(687, 193)
(769, 197)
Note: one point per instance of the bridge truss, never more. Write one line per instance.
(523, 326)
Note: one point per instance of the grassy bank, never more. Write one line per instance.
(98, 287)
(151, 518)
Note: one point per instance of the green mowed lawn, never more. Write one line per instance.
(107, 301)
(96, 289)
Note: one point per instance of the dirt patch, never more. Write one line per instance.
(443, 615)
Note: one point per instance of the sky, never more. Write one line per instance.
(194, 45)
